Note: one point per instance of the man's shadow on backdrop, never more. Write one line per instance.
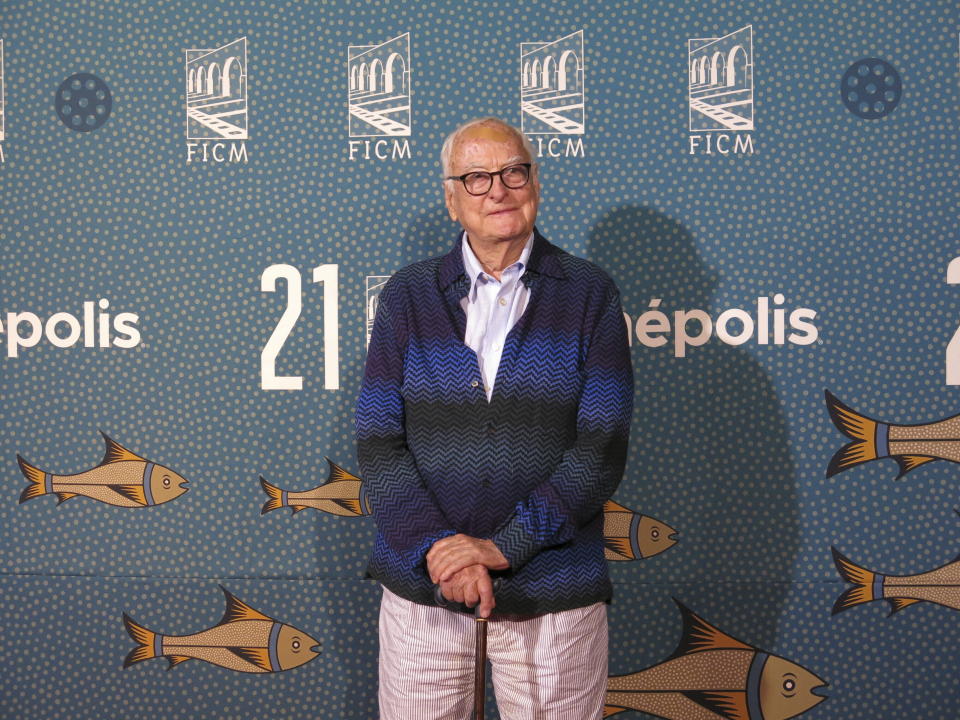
(709, 449)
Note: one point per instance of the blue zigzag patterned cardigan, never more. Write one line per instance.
(532, 468)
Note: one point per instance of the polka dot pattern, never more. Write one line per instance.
(849, 218)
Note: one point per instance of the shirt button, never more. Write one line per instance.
(474, 384)
(503, 301)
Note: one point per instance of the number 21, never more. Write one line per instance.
(327, 275)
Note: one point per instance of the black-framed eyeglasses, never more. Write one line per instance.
(479, 182)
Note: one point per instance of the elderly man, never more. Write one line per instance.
(492, 426)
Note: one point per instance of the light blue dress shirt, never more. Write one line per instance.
(492, 308)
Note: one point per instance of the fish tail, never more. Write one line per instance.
(146, 642)
(609, 710)
(869, 436)
(274, 493)
(867, 585)
(35, 477)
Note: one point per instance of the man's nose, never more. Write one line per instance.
(498, 190)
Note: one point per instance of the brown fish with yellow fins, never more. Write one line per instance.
(628, 535)
(122, 478)
(245, 640)
(940, 586)
(910, 445)
(342, 494)
(713, 676)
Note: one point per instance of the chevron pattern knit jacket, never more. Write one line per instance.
(531, 468)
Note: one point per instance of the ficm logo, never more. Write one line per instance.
(766, 325)
(551, 95)
(720, 93)
(216, 91)
(379, 99)
(64, 330)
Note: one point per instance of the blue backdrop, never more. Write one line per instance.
(778, 179)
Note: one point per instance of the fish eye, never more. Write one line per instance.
(655, 533)
(789, 685)
(166, 481)
(295, 644)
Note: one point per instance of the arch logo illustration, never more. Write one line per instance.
(83, 102)
(551, 86)
(720, 92)
(551, 94)
(378, 101)
(375, 284)
(216, 106)
(871, 88)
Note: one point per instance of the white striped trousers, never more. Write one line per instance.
(550, 667)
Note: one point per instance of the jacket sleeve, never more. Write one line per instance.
(591, 468)
(407, 516)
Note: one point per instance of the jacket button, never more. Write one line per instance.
(491, 430)
(474, 384)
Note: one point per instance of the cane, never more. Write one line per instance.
(480, 665)
(480, 655)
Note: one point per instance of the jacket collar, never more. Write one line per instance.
(543, 260)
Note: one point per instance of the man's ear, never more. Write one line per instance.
(448, 199)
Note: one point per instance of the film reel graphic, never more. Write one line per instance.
(83, 102)
(871, 88)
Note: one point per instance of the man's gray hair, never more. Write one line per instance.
(446, 151)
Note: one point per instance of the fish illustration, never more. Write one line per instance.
(628, 535)
(122, 478)
(713, 676)
(910, 445)
(342, 494)
(940, 585)
(244, 640)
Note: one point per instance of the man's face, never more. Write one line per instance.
(503, 214)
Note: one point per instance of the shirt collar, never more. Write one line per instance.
(474, 269)
(544, 260)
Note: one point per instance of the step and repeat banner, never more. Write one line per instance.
(201, 202)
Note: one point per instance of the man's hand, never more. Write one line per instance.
(469, 586)
(452, 554)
